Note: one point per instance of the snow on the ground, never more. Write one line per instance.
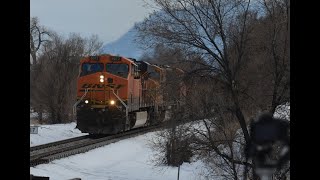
(56, 132)
(283, 112)
(126, 159)
(123, 160)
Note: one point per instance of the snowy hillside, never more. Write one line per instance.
(124, 46)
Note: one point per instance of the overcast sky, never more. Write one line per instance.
(109, 19)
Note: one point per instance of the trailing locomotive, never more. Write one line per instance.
(117, 94)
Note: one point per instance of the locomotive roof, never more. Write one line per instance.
(111, 55)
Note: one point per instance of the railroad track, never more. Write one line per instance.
(47, 152)
(56, 143)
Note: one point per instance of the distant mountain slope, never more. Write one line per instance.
(124, 46)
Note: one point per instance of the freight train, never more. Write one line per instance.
(116, 94)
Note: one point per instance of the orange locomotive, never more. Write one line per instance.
(117, 94)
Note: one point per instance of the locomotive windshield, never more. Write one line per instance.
(121, 70)
(89, 68)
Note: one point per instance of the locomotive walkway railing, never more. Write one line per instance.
(76, 104)
(124, 104)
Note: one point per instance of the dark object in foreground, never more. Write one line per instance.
(269, 138)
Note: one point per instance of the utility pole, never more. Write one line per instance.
(178, 171)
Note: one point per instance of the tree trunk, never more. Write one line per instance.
(32, 51)
(40, 115)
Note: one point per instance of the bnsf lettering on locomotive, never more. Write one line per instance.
(102, 86)
(86, 86)
(97, 86)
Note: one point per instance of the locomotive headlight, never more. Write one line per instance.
(112, 102)
(101, 78)
(86, 101)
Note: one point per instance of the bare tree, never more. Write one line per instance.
(277, 38)
(93, 45)
(38, 35)
(55, 88)
(204, 26)
(244, 57)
